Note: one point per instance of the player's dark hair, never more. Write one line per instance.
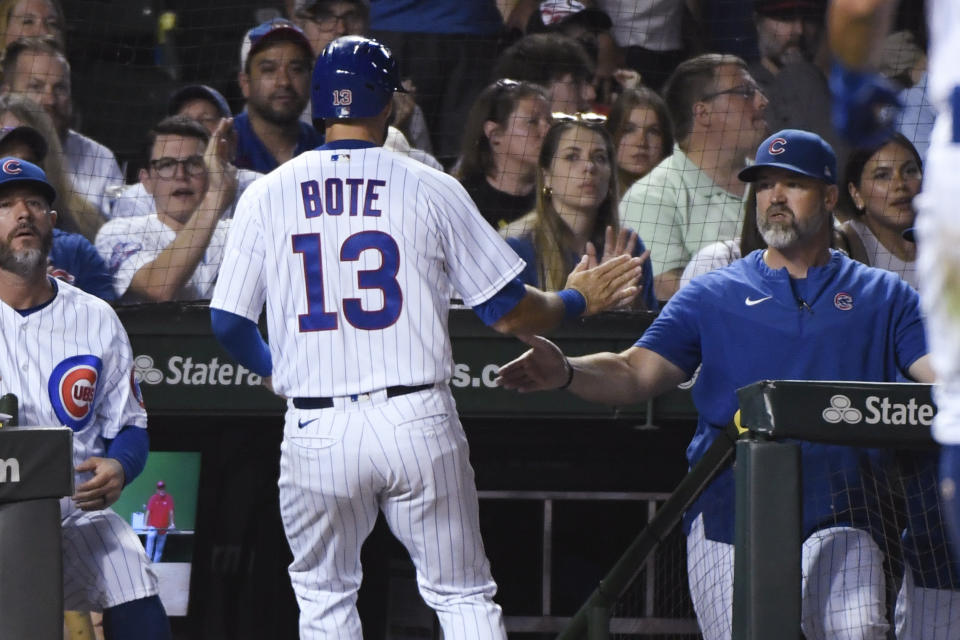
(552, 237)
(543, 58)
(689, 82)
(175, 126)
(30, 44)
(858, 159)
(496, 103)
(620, 111)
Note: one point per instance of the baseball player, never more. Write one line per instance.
(159, 519)
(780, 313)
(864, 109)
(67, 358)
(355, 249)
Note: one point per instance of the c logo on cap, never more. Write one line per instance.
(12, 167)
(778, 146)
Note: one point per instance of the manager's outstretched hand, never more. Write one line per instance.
(542, 367)
(608, 285)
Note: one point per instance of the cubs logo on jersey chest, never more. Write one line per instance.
(72, 388)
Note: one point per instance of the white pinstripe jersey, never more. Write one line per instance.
(70, 363)
(354, 251)
(943, 18)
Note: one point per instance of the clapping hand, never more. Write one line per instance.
(608, 285)
(624, 244)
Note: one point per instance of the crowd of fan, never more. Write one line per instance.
(599, 129)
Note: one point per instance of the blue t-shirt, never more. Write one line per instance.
(253, 155)
(74, 259)
(524, 247)
(474, 17)
(747, 322)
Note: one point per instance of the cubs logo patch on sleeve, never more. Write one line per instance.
(73, 387)
(135, 388)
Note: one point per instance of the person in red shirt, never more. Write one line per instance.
(159, 519)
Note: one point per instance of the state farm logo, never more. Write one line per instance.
(145, 372)
(841, 411)
(182, 370)
(878, 410)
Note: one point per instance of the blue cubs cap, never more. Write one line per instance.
(267, 33)
(17, 171)
(190, 92)
(795, 150)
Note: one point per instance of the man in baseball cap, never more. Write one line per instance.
(203, 103)
(795, 180)
(261, 36)
(787, 31)
(276, 60)
(159, 520)
(15, 172)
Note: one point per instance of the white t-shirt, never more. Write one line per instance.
(651, 24)
(881, 257)
(93, 170)
(713, 256)
(128, 244)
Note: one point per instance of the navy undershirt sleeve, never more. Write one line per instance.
(242, 340)
(130, 449)
(501, 303)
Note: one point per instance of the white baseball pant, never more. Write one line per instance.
(842, 593)
(408, 457)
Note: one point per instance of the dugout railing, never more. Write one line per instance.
(774, 417)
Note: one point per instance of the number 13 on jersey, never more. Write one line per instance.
(384, 279)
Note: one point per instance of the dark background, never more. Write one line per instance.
(240, 588)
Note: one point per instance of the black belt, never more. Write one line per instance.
(326, 403)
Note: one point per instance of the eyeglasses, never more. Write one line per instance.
(587, 117)
(326, 21)
(167, 167)
(745, 91)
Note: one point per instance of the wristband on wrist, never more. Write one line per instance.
(566, 384)
(574, 303)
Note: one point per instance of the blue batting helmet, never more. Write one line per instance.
(354, 77)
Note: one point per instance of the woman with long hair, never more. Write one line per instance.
(576, 209)
(26, 18)
(642, 133)
(501, 140)
(76, 213)
(882, 182)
